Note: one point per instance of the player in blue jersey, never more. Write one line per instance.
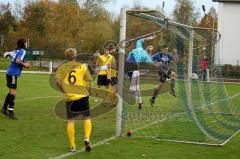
(164, 59)
(135, 57)
(13, 72)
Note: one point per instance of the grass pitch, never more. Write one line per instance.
(40, 134)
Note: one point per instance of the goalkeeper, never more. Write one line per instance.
(164, 59)
(135, 57)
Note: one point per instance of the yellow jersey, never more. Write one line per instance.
(113, 71)
(103, 60)
(64, 69)
(76, 82)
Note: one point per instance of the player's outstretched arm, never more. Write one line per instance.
(151, 37)
(140, 42)
(156, 60)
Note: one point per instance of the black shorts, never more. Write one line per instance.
(78, 107)
(164, 75)
(114, 81)
(11, 81)
(103, 80)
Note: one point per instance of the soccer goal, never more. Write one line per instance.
(205, 110)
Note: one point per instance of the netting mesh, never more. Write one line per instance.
(203, 111)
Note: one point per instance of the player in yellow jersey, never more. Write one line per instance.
(102, 64)
(75, 81)
(113, 67)
(113, 73)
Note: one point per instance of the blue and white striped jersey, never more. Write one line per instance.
(15, 69)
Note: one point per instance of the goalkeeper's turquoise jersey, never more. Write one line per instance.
(139, 54)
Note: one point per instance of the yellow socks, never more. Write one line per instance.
(108, 91)
(97, 91)
(71, 134)
(87, 128)
(112, 97)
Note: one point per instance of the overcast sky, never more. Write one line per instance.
(114, 6)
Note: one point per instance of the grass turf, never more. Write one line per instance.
(39, 133)
(4, 64)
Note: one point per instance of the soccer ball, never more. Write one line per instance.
(194, 76)
(129, 133)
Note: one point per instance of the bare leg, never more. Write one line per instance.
(172, 86)
(156, 92)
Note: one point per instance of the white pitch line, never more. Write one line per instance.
(33, 98)
(31, 72)
(83, 149)
(104, 141)
(69, 153)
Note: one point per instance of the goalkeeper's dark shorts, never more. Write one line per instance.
(78, 108)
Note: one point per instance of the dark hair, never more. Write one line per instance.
(21, 43)
(106, 48)
(165, 46)
(110, 44)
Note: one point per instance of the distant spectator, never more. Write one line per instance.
(204, 67)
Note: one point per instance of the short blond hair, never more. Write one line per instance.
(148, 49)
(149, 46)
(71, 54)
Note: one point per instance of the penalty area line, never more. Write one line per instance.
(83, 149)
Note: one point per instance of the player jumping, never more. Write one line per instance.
(164, 59)
(136, 56)
(13, 72)
(75, 81)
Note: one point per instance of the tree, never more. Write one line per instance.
(54, 26)
(7, 20)
(185, 13)
(35, 17)
(8, 25)
(89, 5)
(75, 2)
(210, 19)
(18, 10)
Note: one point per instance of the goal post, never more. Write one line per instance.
(190, 71)
(121, 63)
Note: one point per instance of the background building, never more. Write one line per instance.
(229, 27)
